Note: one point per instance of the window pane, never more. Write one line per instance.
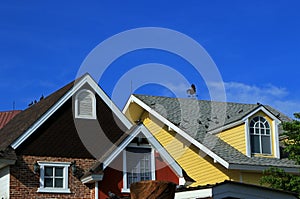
(268, 131)
(252, 130)
(255, 147)
(267, 124)
(48, 182)
(266, 145)
(48, 171)
(59, 171)
(58, 182)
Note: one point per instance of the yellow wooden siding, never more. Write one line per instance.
(251, 177)
(134, 111)
(235, 137)
(198, 165)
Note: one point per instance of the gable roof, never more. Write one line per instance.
(193, 119)
(21, 122)
(121, 144)
(28, 121)
(6, 116)
(178, 110)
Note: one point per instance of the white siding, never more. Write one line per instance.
(4, 183)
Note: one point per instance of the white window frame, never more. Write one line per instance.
(65, 188)
(77, 113)
(261, 135)
(125, 188)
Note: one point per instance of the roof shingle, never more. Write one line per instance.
(196, 118)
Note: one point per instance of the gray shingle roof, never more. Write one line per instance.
(197, 117)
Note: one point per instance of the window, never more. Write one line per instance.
(85, 105)
(260, 138)
(54, 177)
(138, 165)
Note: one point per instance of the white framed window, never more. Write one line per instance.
(85, 105)
(260, 136)
(138, 165)
(54, 177)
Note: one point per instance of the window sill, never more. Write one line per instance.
(53, 190)
(262, 155)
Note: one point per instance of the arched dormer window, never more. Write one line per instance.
(85, 105)
(260, 136)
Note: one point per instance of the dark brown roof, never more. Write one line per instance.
(6, 116)
(59, 135)
(22, 121)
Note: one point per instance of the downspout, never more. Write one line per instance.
(96, 190)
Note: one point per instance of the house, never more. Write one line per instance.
(6, 116)
(214, 141)
(231, 189)
(76, 143)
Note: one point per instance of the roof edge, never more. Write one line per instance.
(177, 130)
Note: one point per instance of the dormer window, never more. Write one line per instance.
(85, 105)
(260, 136)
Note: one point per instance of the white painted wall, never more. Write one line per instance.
(4, 183)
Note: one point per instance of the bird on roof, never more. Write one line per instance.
(192, 90)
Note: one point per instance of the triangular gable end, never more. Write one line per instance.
(203, 148)
(86, 79)
(141, 129)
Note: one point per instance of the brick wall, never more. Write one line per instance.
(24, 182)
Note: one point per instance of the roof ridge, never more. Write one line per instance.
(202, 100)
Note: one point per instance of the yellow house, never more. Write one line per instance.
(214, 141)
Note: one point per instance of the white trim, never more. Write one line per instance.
(65, 188)
(152, 162)
(227, 126)
(92, 178)
(276, 139)
(124, 188)
(96, 190)
(181, 181)
(77, 85)
(247, 138)
(178, 130)
(263, 109)
(77, 113)
(200, 193)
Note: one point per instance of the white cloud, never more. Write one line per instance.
(269, 94)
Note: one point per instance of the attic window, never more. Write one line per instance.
(260, 135)
(85, 105)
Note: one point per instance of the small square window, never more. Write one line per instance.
(54, 177)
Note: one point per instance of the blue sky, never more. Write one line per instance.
(254, 44)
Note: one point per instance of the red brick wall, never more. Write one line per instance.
(24, 183)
